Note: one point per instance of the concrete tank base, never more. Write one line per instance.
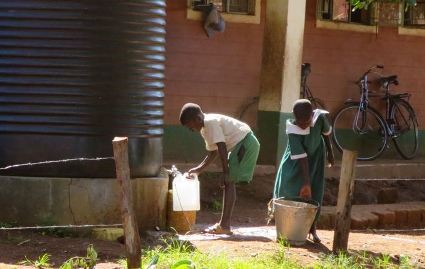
(46, 201)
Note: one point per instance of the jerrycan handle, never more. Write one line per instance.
(191, 176)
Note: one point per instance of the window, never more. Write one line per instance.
(341, 11)
(415, 15)
(238, 11)
(242, 7)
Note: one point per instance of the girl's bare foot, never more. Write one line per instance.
(313, 233)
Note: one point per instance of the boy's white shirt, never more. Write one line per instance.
(294, 129)
(220, 128)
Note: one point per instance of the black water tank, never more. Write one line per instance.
(74, 74)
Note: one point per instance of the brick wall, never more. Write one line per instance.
(339, 58)
(221, 73)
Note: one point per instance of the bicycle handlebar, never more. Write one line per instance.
(380, 66)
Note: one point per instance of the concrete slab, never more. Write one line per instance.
(78, 201)
(401, 215)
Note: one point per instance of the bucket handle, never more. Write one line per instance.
(298, 199)
(270, 206)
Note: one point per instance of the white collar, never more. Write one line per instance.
(295, 129)
(316, 114)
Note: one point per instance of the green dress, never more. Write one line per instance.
(303, 143)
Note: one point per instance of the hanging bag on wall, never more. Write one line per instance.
(213, 21)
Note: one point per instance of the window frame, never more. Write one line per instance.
(410, 29)
(410, 10)
(228, 17)
(319, 13)
(340, 25)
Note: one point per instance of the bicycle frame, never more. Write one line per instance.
(378, 128)
(390, 102)
(305, 90)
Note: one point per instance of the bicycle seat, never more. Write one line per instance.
(388, 80)
(305, 69)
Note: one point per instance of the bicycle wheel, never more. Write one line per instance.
(361, 131)
(405, 129)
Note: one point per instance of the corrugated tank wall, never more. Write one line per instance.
(74, 74)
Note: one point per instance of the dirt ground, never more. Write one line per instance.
(252, 236)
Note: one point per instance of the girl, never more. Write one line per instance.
(301, 171)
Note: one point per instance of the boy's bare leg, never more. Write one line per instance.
(229, 198)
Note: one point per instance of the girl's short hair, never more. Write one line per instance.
(302, 109)
(189, 112)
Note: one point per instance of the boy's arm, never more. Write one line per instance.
(222, 152)
(329, 150)
(305, 191)
(207, 160)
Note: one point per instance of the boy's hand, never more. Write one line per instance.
(305, 191)
(194, 170)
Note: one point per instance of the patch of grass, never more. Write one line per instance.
(82, 262)
(340, 261)
(173, 252)
(177, 252)
(58, 232)
(42, 261)
(363, 261)
(216, 205)
(6, 224)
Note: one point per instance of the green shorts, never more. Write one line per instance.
(242, 171)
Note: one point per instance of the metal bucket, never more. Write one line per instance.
(293, 219)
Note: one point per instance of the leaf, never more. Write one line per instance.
(154, 261)
(183, 264)
(66, 266)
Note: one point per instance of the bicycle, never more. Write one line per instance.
(305, 92)
(369, 132)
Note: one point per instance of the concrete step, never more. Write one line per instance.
(379, 216)
(381, 169)
(384, 169)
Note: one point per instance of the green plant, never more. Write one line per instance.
(174, 255)
(362, 261)
(87, 262)
(359, 4)
(382, 262)
(284, 245)
(122, 262)
(216, 205)
(173, 244)
(58, 232)
(179, 253)
(340, 261)
(8, 224)
(405, 262)
(41, 262)
(183, 264)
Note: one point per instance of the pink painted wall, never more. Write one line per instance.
(339, 58)
(222, 73)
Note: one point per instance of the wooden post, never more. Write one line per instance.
(343, 207)
(131, 232)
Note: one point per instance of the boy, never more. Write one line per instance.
(237, 147)
(301, 171)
